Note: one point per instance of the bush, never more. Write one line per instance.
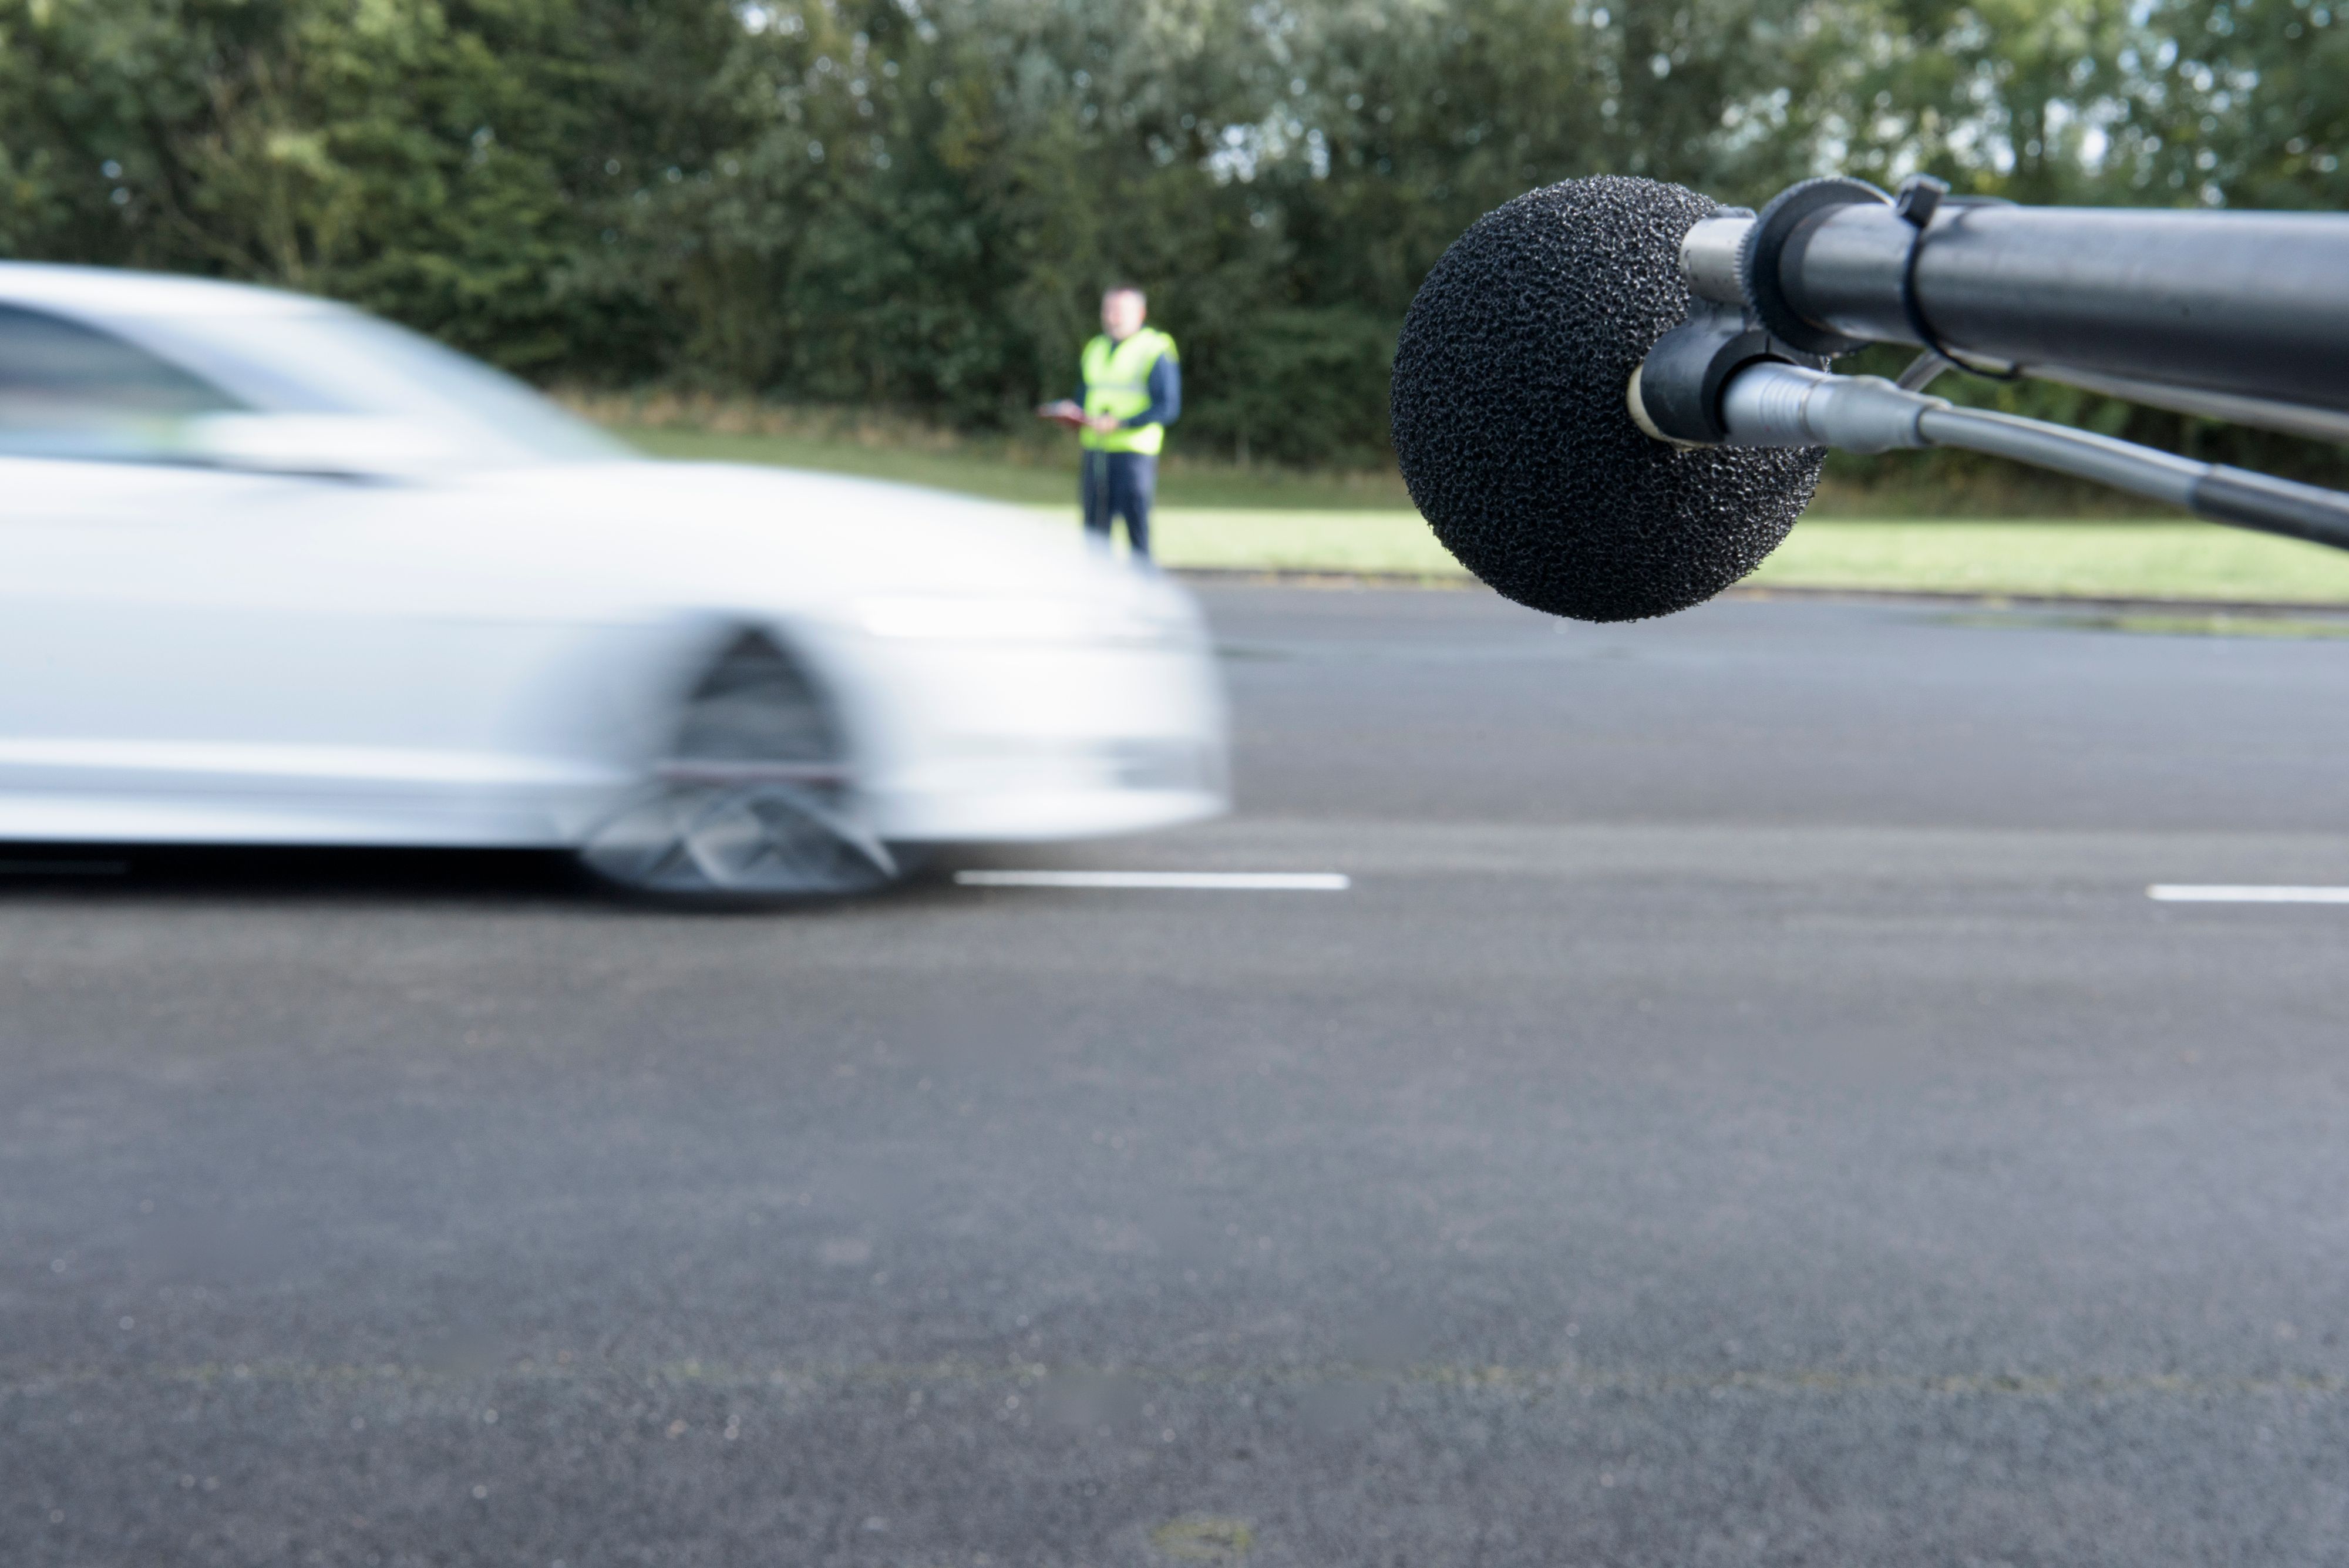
(915, 204)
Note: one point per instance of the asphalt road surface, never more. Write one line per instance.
(1746, 1110)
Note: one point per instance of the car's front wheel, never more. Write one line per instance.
(754, 802)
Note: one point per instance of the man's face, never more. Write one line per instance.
(1122, 313)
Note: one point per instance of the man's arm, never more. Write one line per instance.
(1068, 408)
(1165, 386)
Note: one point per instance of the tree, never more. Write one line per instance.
(916, 203)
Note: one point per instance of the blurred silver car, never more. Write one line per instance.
(274, 571)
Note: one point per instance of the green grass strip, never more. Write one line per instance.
(2153, 560)
(1235, 521)
(1023, 473)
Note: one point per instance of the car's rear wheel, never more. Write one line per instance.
(755, 800)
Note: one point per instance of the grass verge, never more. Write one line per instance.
(2134, 560)
(2141, 560)
(1247, 520)
(1032, 471)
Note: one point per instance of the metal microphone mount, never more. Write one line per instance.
(1745, 369)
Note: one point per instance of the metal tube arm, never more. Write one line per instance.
(1770, 403)
(2252, 306)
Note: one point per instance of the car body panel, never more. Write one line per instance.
(492, 652)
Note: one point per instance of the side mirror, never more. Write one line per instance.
(342, 446)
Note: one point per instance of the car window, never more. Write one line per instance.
(71, 391)
(333, 360)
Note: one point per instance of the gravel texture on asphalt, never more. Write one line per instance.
(1746, 1111)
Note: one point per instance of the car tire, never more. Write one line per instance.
(755, 801)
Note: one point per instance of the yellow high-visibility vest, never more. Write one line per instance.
(1117, 383)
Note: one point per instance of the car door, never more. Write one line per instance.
(187, 652)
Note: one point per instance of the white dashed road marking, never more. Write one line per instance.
(2219, 893)
(1222, 881)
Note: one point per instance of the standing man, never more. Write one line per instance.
(1129, 391)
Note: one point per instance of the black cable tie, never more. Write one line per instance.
(1919, 198)
(1916, 201)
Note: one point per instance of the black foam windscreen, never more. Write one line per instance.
(1512, 429)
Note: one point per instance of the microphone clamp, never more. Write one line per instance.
(1762, 257)
(1676, 393)
(1786, 406)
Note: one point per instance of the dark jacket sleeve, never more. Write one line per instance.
(1165, 394)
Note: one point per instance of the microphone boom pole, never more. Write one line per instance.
(2252, 304)
(2226, 314)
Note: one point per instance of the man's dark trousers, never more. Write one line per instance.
(1120, 484)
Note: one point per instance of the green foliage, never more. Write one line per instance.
(914, 203)
(440, 162)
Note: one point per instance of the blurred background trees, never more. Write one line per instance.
(915, 204)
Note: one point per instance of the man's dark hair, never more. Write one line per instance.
(1133, 288)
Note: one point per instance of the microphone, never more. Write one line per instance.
(1610, 397)
(1510, 424)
